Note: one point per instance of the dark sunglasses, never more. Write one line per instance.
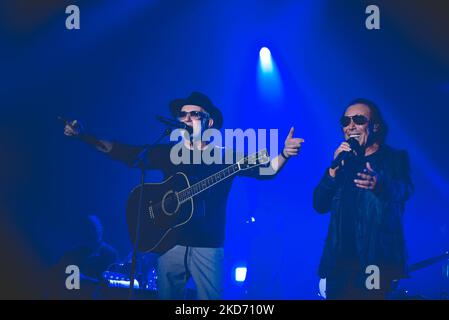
(358, 119)
(197, 115)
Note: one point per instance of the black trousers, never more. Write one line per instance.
(350, 284)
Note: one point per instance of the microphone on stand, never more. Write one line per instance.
(173, 123)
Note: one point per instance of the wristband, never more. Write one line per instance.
(283, 155)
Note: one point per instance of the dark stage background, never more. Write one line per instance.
(130, 58)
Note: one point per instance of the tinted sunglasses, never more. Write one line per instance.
(358, 119)
(196, 115)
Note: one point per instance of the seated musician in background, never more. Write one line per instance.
(92, 256)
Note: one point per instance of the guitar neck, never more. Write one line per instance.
(208, 182)
(428, 262)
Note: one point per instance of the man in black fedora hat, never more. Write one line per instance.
(198, 99)
(198, 252)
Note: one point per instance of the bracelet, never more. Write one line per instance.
(283, 155)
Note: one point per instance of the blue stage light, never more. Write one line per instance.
(269, 80)
(266, 62)
(240, 274)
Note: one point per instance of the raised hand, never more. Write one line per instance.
(343, 147)
(292, 145)
(72, 128)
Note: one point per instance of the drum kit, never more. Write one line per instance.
(117, 277)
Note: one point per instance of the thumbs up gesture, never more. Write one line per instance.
(292, 145)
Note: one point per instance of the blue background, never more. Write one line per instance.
(130, 58)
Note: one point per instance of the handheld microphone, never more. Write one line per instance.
(355, 147)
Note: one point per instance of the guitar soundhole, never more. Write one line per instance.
(170, 203)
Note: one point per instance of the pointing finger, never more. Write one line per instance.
(290, 134)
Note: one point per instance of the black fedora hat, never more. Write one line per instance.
(201, 100)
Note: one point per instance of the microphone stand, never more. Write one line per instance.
(140, 163)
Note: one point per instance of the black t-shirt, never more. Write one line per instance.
(348, 256)
(207, 226)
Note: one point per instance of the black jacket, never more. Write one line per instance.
(378, 219)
